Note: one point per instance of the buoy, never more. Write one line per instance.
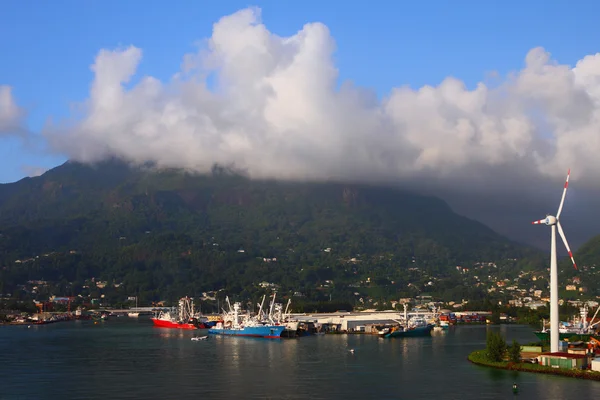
(515, 388)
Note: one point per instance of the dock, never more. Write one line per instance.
(342, 321)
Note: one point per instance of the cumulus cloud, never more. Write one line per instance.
(276, 111)
(11, 115)
(274, 108)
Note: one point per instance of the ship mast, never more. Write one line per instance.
(236, 308)
(285, 313)
(271, 309)
(261, 306)
(228, 303)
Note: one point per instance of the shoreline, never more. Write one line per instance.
(477, 357)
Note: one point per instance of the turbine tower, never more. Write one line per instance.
(553, 222)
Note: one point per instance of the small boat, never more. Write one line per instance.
(197, 338)
(134, 314)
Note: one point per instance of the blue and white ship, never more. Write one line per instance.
(236, 324)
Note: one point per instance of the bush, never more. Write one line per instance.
(495, 347)
(514, 352)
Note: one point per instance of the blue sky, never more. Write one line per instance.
(47, 48)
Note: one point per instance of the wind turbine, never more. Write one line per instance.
(553, 222)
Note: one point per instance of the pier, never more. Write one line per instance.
(346, 321)
(134, 309)
(350, 321)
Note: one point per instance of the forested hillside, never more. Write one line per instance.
(169, 233)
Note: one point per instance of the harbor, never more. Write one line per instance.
(129, 358)
(579, 345)
(275, 319)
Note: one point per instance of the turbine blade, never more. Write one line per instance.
(541, 221)
(562, 200)
(562, 235)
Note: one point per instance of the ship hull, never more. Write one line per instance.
(416, 332)
(545, 336)
(161, 323)
(268, 332)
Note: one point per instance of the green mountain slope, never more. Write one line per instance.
(169, 233)
(587, 275)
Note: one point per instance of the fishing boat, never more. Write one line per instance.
(414, 328)
(236, 324)
(408, 327)
(183, 318)
(278, 316)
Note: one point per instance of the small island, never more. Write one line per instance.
(515, 357)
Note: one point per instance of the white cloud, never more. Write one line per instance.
(33, 171)
(276, 111)
(11, 116)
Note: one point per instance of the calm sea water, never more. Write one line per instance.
(130, 359)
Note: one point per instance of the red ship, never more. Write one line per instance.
(163, 322)
(185, 318)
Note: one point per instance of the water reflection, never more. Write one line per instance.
(495, 374)
(550, 389)
(168, 334)
(133, 360)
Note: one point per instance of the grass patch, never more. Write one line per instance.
(479, 357)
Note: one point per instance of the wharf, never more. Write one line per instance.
(356, 321)
(364, 321)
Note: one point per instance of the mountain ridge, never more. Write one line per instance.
(164, 229)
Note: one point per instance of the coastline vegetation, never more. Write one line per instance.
(498, 355)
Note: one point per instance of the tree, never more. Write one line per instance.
(495, 346)
(495, 318)
(514, 352)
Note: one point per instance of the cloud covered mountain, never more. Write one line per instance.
(274, 107)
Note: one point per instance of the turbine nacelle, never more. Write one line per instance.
(549, 220)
